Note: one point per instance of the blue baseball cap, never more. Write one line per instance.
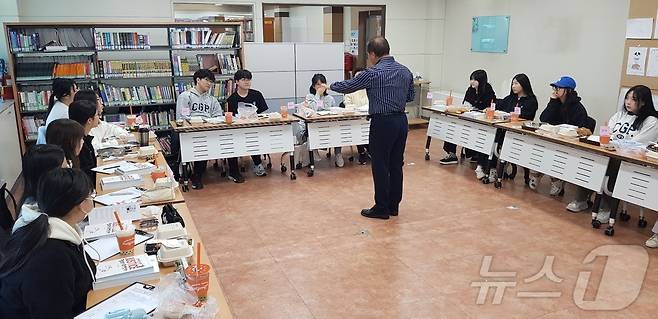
(565, 82)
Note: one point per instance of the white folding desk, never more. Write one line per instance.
(201, 142)
(327, 131)
(637, 182)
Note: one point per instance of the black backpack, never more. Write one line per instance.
(171, 215)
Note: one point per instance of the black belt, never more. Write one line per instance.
(380, 115)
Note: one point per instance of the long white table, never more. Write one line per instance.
(330, 131)
(201, 142)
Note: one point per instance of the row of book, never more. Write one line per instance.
(121, 40)
(221, 89)
(32, 40)
(134, 69)
(220, 63)
(34, 101)
(71, 67)
(31, 125)
(135, 95)
(153, 119)
(202, 38)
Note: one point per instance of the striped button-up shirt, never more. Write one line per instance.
(389, 85)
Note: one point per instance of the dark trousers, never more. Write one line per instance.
(233, 166)
(388, 138)
(362, 149)
(452, 148)
(199, 168)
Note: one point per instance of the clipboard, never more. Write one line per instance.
(137, 295)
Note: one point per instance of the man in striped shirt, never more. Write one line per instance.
(389, 86)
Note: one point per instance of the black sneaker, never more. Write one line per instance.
(374, 213)
(363, 159)
(236, 177)
(449, 159)
(197, 183)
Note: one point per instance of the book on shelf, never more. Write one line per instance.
(126, 270)
(156, 119)
(31, 125)
(165, 144)
(121, 40)
(200, 38)
(34, 101)
(135, 95)
(220, 63)
(221, 89)
(64, 66)
(122, 181)
(35, 39)
(184, 66)
(134, 68)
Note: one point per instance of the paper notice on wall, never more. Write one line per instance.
(354, 42)
(655, 30)
(652, 65)
(639, 28)
(637, 57)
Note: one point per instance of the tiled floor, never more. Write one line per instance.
(300, 249)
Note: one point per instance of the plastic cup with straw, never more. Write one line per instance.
(125, 236)
(198, 276)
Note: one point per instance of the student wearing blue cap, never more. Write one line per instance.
(563, 108)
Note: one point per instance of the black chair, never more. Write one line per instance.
(590, 123)
(6, 218)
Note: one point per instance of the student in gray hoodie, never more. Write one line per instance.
(194, 102)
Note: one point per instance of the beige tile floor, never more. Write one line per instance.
(300, 249)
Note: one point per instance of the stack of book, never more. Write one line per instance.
(34, 101)
(135, 95)
(30, 126)
(121, 40)
(126, 270)
(221, 89)
(134, 69)
(193, 38)
(122, 181)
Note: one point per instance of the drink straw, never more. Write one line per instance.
(116, 216)
(198, 256)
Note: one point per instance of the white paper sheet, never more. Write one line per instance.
(107, 247)
(652, 65)
(639, 28)
(109, 168)
(135, 296)
(128, 195)
(637, 57)
(105, 214)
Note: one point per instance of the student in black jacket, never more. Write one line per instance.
(563, 108)
(521, 96)
(88, 114)
(44, 270)
(245, 94)
(479, 94)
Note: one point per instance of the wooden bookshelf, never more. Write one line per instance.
(159, 47)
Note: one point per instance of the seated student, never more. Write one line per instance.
(197, 101)
(37, 161)
(104, 130)
(88, 114)
(245, 94)
(69, 135)
(636, 121)
(44, 270)
(319, 99)
(479, 94)
(522, 96)
(564, 107)
(354, 101)
(63, 92)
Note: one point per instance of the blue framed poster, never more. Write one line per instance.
(490, 34)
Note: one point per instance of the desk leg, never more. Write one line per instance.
(292, 166)
(311, 167)
(186, 177)
(427, 148)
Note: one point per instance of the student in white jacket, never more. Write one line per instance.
(104, 131)
(636, 121)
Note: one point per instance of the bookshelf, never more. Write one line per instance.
(139, 68)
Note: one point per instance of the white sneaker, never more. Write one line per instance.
(493, 175)
(652, 242)
(603, 216)
(479, 173)
(577, 206)
(533, 181)
(557, 187)
(339, 160)
(260, 170)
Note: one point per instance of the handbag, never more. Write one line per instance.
(171, 215)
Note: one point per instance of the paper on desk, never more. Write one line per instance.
(109, 168)
(105, 214)
(136, 296)
(107, 247)
(322, 113)
(594, 138)
(127, 195)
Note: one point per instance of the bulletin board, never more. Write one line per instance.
(640, 9)
(490, 34)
